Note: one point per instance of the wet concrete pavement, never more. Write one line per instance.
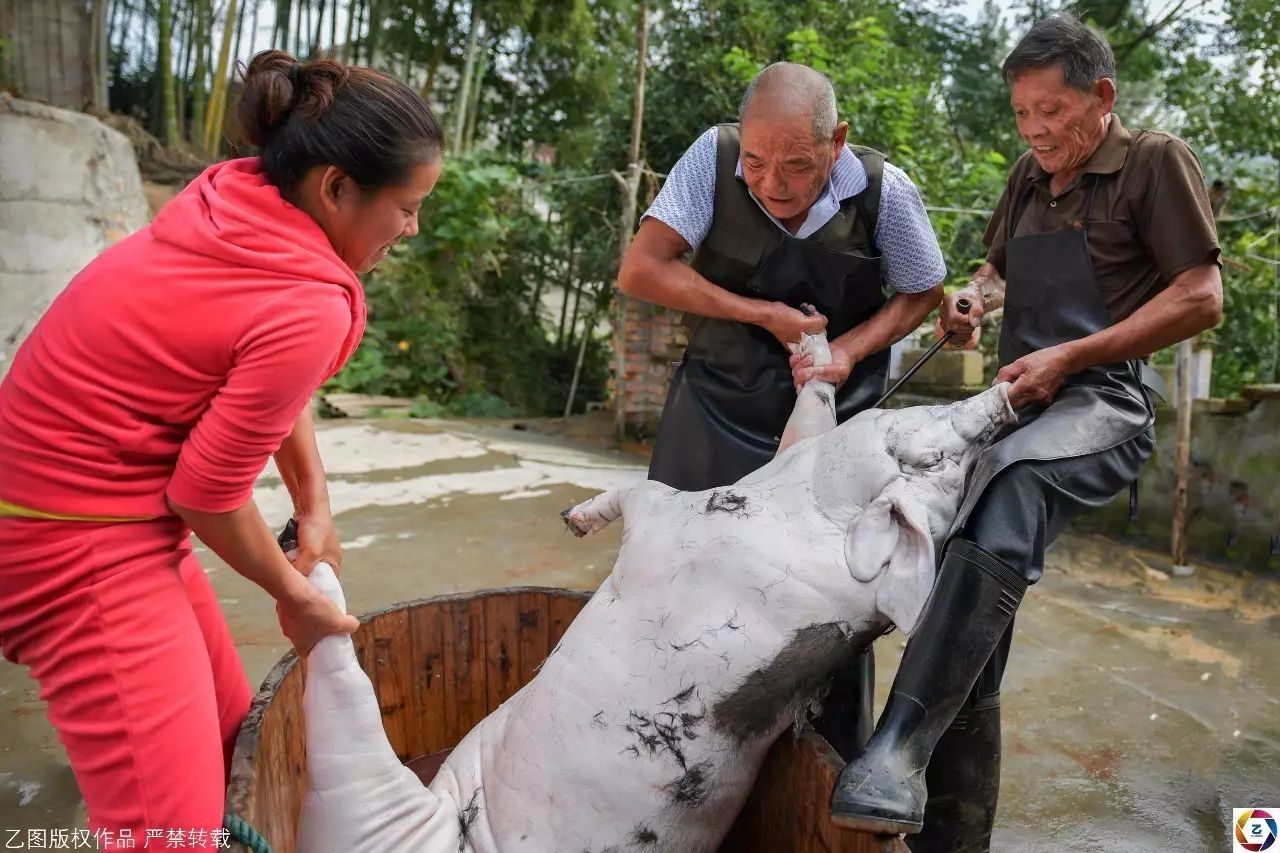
(1139, 708)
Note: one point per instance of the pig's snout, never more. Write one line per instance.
(977, 419)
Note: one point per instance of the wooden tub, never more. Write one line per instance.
(440, 665)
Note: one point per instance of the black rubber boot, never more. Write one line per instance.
(848, 717)
(963, 777)
(973, 602)
(964, 783)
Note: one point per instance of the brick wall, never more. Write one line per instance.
(653, 339)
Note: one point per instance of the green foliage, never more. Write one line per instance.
(450, 310)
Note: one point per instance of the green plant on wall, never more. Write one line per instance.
(6, 59)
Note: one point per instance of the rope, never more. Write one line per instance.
(244, 833)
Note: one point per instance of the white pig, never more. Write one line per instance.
(725, 615)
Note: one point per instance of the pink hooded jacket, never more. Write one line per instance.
(178, 360)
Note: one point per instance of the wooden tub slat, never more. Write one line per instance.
(534, 632)
(562, 610)
(502, 647)
(428, 628)
(393, 659)
(466, 685)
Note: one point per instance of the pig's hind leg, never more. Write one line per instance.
(595, 514)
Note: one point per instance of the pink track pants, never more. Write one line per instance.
(121, 629)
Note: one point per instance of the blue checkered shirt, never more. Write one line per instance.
(912, 260)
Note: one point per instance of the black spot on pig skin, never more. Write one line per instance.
(644, 836)
(466, 818)
(690, 789)
(725, 501)
(795, 676)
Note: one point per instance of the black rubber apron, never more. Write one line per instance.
(1052, 297)
(732, 393)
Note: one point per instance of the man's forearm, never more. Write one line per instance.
(1190, 304)
(301, 469)
(674, 284)
(895, 319)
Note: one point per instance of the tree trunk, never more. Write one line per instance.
(333, 30)
(181, 69)
(235, 51)
(627, 221)
(462, 98)
(437, 53)
(168, 109)
(582, 352)
(197, 81)
(351, 20)
(306, 33)
(144, 58)
(98, 57)
(407, 68)
(578, 287)
(477, 88)
(280, 35)
(218, 102)
(253, 29)
(573, 275)
(319, 36)
(113, 18)
(300, 32)
(124, 35)
(372, 31)
(184, 73)
(361, 40)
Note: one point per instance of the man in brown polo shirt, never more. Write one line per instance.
(1107, 244)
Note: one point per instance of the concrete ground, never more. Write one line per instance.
(1139, 708)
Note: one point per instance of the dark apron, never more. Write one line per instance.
(732, 393)
(1052, 297)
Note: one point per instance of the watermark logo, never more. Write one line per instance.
(1255, 829)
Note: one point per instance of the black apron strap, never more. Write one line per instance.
(868, 201)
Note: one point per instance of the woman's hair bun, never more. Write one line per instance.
(299, 115)
(269, 94)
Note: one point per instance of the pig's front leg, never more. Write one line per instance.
(815, 411)
(597, 513)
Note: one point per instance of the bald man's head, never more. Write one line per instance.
(787, 90)
(790, 139)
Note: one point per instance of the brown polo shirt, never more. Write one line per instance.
(1149, 221)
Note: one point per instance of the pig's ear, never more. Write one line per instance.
(890, 541)
(871, 539)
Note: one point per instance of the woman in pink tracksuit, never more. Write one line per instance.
(147, 401)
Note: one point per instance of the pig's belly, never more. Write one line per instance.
(616, 741)
(611, 747)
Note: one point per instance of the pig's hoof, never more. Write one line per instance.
(578, 525)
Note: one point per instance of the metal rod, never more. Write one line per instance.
(962, 305)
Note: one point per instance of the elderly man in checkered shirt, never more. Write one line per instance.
(780, 213)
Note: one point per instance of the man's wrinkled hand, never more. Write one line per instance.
(837, 372)
(950, 318)
(787, 324)
(1037, 377)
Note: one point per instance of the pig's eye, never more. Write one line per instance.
(929, 459)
